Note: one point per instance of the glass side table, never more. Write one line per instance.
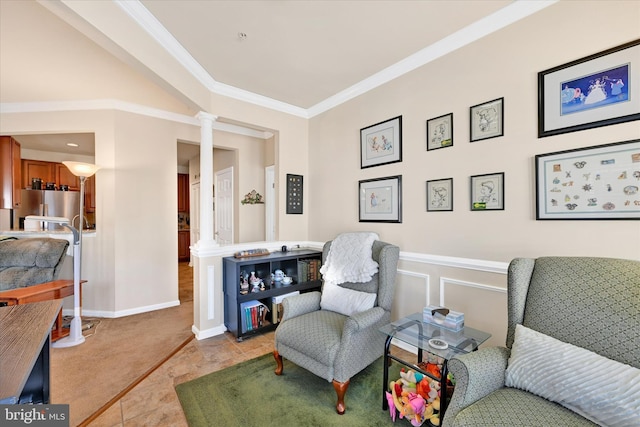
(413, 331)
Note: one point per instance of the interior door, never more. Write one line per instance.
(223, 214)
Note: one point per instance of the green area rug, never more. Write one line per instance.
(250, 394)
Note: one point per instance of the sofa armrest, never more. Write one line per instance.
(298, 305)
(476, 375)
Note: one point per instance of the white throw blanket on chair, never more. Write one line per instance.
(349, 259)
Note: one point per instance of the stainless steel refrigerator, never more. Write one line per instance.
(47, 203)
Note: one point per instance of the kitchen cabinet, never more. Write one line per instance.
(90, 194)
(59, 174)
(183, 192)
(183, 245)
(64, 177)
(10, 173)
(54, 172)
(46, 171)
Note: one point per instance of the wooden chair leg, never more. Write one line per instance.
(279, 366)
(341, 390)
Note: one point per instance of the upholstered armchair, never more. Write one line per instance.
(572, 350)
(332, 345)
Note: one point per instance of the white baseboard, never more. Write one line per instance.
(123, 313)
(208, 333)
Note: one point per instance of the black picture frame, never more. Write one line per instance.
(440, 195)
(487, 192)
(295, 189)
(440, 132)
(486, 120)
(381, 144)
(600, 182)
(380, 199)
(564, 91)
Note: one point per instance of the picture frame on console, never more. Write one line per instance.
(598, 182)
(594, 91)
(381, 144)
(380, 199)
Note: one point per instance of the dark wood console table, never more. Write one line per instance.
(25, 341)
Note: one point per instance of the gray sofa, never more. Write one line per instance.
(589, 303)
(26, 262)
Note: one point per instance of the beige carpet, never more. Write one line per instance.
(119, 353)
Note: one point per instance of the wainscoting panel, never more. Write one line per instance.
(484, 306)
(475, 287)
(413, 293)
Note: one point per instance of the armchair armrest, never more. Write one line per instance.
(476, 374)
(363, 320)
(297, 305)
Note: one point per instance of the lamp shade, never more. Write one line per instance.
(81, 169)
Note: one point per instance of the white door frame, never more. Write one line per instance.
(270, 203)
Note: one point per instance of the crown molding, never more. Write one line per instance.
(514, 12)
(508, 15)
(148, 22)
(114, 104)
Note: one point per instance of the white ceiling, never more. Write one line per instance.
(303, 52)
(313, 54)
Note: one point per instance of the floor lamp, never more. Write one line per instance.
(83, 171)
(75, 336)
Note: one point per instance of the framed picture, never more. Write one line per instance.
(487, 192)
(487, 120)
(381, 143)
(381, 199)
(440, 195)
(294, 194)
(598, 90)
(440, 132)
(600, 182)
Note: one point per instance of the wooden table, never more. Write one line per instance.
(25, 341)
(56, 289)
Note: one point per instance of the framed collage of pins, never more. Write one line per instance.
(599, 182)
(294, 194)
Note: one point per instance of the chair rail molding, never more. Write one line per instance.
(466, 263)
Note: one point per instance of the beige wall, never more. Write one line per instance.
(504, 64)
(131, 261)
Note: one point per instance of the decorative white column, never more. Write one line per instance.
(206, 181)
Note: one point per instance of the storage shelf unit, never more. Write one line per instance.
(303, 266)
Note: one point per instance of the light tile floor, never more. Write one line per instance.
(154, 402)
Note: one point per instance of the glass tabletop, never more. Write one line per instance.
(412, 330)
